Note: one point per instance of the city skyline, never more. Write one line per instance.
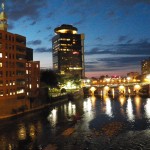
(116, 32)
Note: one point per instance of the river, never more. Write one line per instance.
(103, 123)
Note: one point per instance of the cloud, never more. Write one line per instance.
(99, 39)
(43, 50)
(35, 42)
(132, 2)
(79, 22)
(122, 38)
(33, 23)
(49, 28)
(111, 14)
(11, 26)
(115, 63)
(142, 47)
(29, 8)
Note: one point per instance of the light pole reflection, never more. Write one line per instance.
(147, 108)
(53, 117)
(130, 110)
(138, 106)
(108, 106)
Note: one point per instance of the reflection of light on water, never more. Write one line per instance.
(39, 127)
(122, 100)
(130, 110)
(113, 92)
(87, 105)
(53, 117)
(71, 109)
(87, 108)
(22, 132)
(93, 99)
(138, 105)
(9, 147)
(147, 108)
(32, 131)
(108, 107)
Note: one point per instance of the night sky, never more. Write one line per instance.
(117, 32)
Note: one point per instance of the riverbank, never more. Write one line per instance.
(53, 101)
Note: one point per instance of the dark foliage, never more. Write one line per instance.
(49, 77)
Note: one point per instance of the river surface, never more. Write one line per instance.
(98, 123)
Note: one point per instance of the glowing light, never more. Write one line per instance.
(138, 104)
(92, 89)
(121, 89)
(130, 110)
(137, 88)
(22, 132)
(108, 106)
(122, 100)
(53, 117)
(105, 90)
(147, 108)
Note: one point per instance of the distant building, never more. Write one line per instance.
(14, 55)
(133, 75)
(145, 67)
(68, 51)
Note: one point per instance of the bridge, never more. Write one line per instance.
(142, 88)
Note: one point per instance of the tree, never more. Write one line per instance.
(49, 77)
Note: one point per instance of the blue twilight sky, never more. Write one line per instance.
(117, 32)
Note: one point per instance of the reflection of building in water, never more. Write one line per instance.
(22, 132)
(32, 131)
(138, 106)
(147, 108)
(129, 110)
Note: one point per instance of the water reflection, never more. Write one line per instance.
(129, 110)
(22, 132)
(53, 117)
(147, 108)
(122, 99)
(108, 106)
(35, 130)
(138, 106)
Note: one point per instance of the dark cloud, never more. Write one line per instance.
(115, 63)
(49, 28)
(29, 8)
(33, 23)
(122, 38)
(43, 50)
(35, 42)
(11, 26)
(111, 14)
(79, 22)
(142, 47)
(99, 39)
(50, 14)
(132, 2)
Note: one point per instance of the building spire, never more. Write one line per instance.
(3, 18)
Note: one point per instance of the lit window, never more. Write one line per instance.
(37, 85)
(20, 91)
(37, 66)
(1, 64)
(0, 55)
(27, 72)
(30, 86)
